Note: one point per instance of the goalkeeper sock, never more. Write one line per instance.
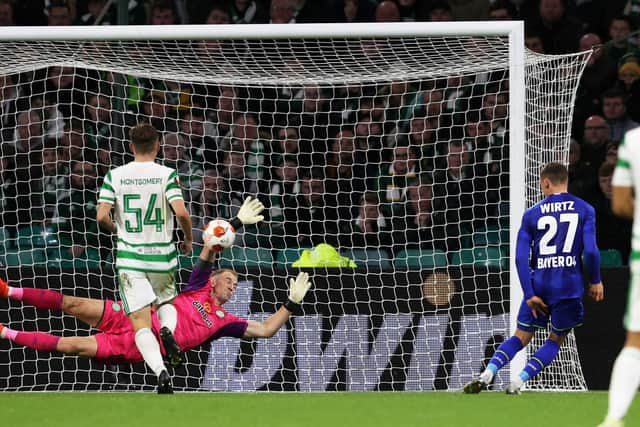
(540, 359)
(150, 349)
(625, 379)
(36, 340)
(501, 357)
(168, 316)
(39, 298)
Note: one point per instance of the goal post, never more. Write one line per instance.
(333, 107)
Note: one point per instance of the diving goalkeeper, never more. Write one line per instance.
(201, 315)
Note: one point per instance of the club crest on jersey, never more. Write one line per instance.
(207, 307)
(220, 313)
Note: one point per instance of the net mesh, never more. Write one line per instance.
(394, 151)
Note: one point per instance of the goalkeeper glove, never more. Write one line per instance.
(298, 288)
(249, 213)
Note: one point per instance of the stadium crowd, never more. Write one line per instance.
(394, 166)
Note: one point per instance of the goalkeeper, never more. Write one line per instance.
(201, 316)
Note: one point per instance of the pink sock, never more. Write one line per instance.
(39, 298)
(35, 340)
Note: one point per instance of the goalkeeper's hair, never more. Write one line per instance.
(555, 172)
(143, 136)
(223, 270)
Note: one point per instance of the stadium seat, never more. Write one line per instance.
(610, 258)
(488, 256)
(246, 257)
(421, 258)
(288, 256)
(88, 260)
(187, 262)
(487, 237)
(370, 257)
(36, 237)
(25, 258)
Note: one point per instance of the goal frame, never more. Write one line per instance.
(514, 30)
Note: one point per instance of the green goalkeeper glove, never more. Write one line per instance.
(249, 213)
(298, 288)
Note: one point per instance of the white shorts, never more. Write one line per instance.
(138, 289)
(632, 315)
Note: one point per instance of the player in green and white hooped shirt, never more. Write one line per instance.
(143, 195)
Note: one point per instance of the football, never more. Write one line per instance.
(218, 235)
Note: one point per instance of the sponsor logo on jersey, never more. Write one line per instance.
(220, 313)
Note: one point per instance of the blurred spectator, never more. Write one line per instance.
(9, 95)
(440, 11)
(619, 30)
(228, 104)
(200, 147)
(346, 173)
(598, 76)
(73, 143)
(454, 192)
(369, 229)
(6, 13)
(162, 12)
(59, 13)
(502, 10)
(218, 15)
(533, 42)
(596, 138)
(394, 179)
(417, 223)
(245, 138)
(615, 112)
(247, 12)
(582, 175)
(55, 179)
(387, 11)
(76, 215)
(612, 232)
(628, 74)
(282, 186)
(369, 141)
(156, 109)
(282, 12)
(495, 112)
(88, 11)
(234, 170)
(312, 219)
(559, 31)
(612, 153)
(97, 126)
(174, 156)
(8, 188)
(287, 140)
(211, 203)
(358, 10)
(423, 135)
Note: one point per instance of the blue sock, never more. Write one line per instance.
(504, 354)
(541, 359)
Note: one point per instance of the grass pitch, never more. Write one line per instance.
(399, 409)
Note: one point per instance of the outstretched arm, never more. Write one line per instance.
(298, 288)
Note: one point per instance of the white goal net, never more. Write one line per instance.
(402, 152)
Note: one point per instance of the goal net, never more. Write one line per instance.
(411, 149)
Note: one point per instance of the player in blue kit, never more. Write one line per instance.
(553, 236)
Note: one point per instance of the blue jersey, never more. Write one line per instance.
(552, 238)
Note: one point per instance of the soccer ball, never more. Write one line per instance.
(218, 235)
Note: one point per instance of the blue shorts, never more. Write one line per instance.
(565, 315)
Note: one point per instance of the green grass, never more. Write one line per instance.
(401, 409)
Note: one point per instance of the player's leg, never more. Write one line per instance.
(508, 349)
(137, 295)
(78, 346)
(44, 299)
(87, 310)
(164, 287)
(40, 341)
(625, 376)
(565, 315)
